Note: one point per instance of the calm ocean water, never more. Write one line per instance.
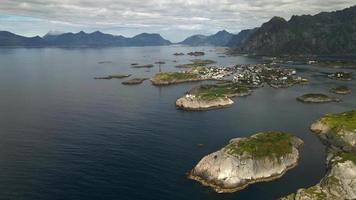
(64, 135)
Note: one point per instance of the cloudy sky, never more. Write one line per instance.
(174, 19)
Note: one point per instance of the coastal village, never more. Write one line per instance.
(254, 75)
(282, 150)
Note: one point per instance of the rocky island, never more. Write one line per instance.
(338, 131)
(134, 81)
(196, 53)
(196, 63)
(317, 98)
(262, 157)
(341, 90)
(178, 54)
(119, 76)
(207, 97)
(169, 78)
(142, 66)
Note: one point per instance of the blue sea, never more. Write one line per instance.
(64, 135)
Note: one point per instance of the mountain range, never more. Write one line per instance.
(81, 39)
(326, 33)
(221, 38)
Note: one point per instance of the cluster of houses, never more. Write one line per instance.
(341, 76)
(252, 74)
(216, 73)
(258, 74)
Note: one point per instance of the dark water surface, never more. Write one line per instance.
(64, 135)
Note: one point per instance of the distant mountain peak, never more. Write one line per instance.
(326, 33)
(278, 19)
(54, 33)
(221, 38)
(223, 32)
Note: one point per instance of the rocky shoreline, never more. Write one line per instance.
(341, 90)
(338, 132)
(118, 76)
(262, 157)
(192, 103)
(134, 81)
(207, 97)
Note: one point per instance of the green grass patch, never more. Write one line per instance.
(346, 156)
(196, 63)
(342, 89)
(174, 76)
(314, 193)
(345, 120)
(210, 92)
(315, 96)
(266, 144)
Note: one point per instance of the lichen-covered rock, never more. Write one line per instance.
(338, 130)
(261, 157)
(341, 90)
(317, 98)
(207, 97)
(338, 183)
(190, 102)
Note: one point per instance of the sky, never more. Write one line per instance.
(173, 19)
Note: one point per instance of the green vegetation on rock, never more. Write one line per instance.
(174, 76)
(346, 156)
(265, 144)
(196, 63)
(315, 192)
(345, 120)
(210, 92)
(315, 96)
(341, 90)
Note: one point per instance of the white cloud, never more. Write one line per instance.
(173, 19)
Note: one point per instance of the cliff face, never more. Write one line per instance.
(239, 39)
(332, 33)
(233, 167)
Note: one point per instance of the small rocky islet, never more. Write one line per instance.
(113, 76)
(206, 97)
(196, 63)
(196, 53)
(317, 98)
(134, 81)
(142, 66)
(169, 78)
(338, 132)
(262, 157)
(341, 90)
